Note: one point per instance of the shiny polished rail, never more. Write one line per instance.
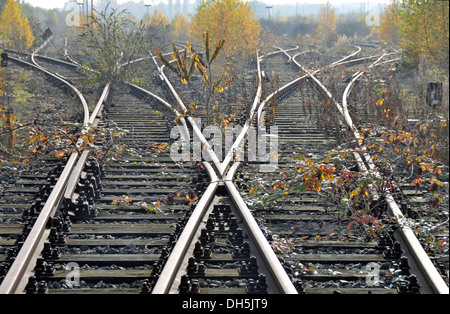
(25, 261)
(223, 175)
(16, 278)
(430, 277)
(429, 273)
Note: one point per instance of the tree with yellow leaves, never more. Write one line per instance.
(231, 20)
(181, 27)
(326, 33)
(157, 18)
(388, 29)
(15, 30)
(424, 27)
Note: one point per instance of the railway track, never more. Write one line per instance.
(39, 191)
(432, 273)
(145, 223)
(295, 222)
(120, 244)
(310, 236)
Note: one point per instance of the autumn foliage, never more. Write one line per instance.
(326, 33)
(185, 66)
(181, 27)
(15, 30)
(424, 27)
(388, 31)
(231, 20)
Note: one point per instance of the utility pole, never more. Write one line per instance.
(148, 4)
(268, 9)
(80, 4)
(87, 11)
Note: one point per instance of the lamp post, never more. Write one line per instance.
(80, 4)
(148, 4)
(268, 9)
(87, 11)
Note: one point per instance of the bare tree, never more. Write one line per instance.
(109, 44)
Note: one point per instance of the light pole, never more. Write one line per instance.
(80, 4)
(148, 4)
(87, 11)
(268, 9)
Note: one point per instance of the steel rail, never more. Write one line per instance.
(278, 275)
(24, 260)
(221, 167)
(408, 238)
(64, 187)
(39, 49)
(51, 59)
(311, 75)
(172, 268)
(294, 83)
(358, 50)
(272, 267)
(181, 122)
(62, 79)
(222, 175)
(66, 54)
(56, 77)
(189, 231)
(434, 280)
(169, 273)
(183, 248)
(93, 122)
(173, 262)
(240, 138)
(93, 119)
(197, 131)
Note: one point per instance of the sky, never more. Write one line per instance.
(48, 4)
